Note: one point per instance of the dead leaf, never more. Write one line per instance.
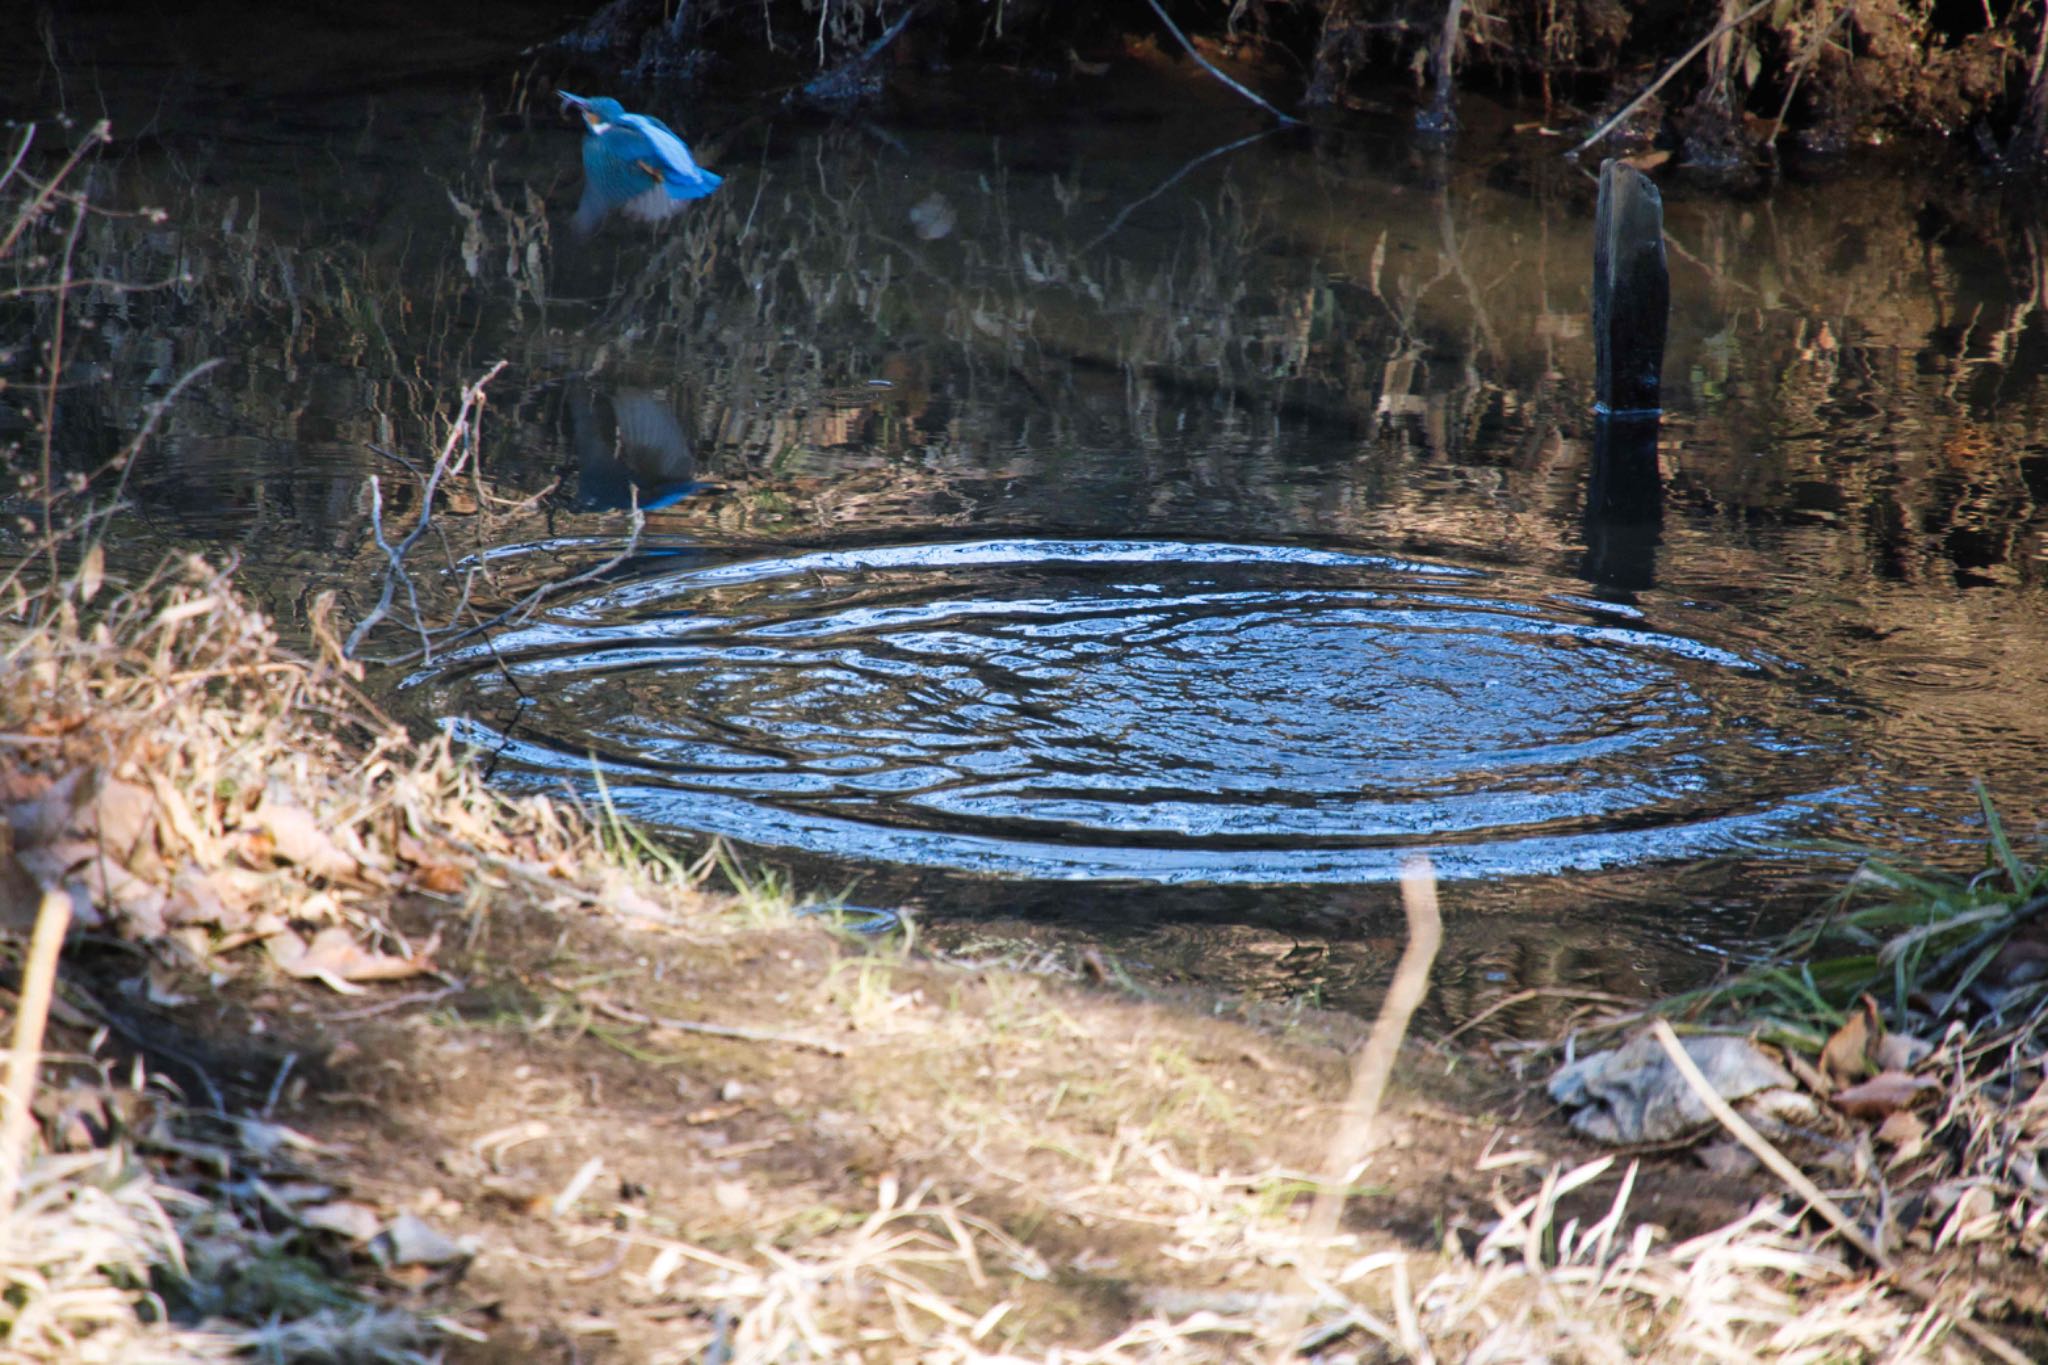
(335, 959)
(444, 879)
(1883, 1094)
(182, 821)
(135, 905)
(193, 899)
(357, 1222)
(1974, 1218)
(296, 837)
(92, 572)
(1850, 1054)
(411, 1240)
(1905, 1132)
(122, 815)
(1901, 1052)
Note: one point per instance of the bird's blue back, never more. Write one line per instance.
(636, 164)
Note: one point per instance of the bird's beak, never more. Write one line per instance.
(578, 100)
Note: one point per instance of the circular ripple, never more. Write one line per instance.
(1165, 711)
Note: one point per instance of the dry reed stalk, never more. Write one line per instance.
(38, 978)
(1375, 1064)
(1781, 1165)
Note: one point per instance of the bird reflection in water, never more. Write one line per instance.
(631, 450)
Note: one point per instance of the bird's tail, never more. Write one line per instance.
(694, 186)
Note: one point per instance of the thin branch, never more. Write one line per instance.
(154, 413)
(1213, 70)
(1439, 117)
(1805, 64)
(518, 610)
(55, 363)
(90, 282)
(1695, 50)
(749, 1035)
(28, 135)
(31, 210)
(472, 398)
(1124, 214)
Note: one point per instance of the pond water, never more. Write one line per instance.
(1084, 516)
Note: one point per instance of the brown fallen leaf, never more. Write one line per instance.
(21, 785)
(92, 572)
(1850, 1054)
(122, 815)
(135, 906)
(184, 822)
(1883, 1094)
(335, 959)
(1901, 1052)
(1905, 1132)
(296, 837)
(444, 879)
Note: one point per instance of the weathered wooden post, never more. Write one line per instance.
(1631, 292)
(1631, 312)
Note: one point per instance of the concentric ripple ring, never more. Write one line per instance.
(1155, 710)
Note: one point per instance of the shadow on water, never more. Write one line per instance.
(1054, 522)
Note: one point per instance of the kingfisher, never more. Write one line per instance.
(633, 162)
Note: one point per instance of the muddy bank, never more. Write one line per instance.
(1724, 86)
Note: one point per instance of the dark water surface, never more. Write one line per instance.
(1081, 535)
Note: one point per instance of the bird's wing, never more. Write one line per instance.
(665, 142)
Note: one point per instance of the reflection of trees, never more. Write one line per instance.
(881, 335)
(1891, 391)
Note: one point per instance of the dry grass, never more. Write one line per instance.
(162, 732)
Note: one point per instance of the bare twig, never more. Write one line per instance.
(750, 1035)
(1695, 50)
(33, 209)
(1805, 64)
(533, 599)
(1212, 69)
(1123, 215)
(472, 398)
(28, 135)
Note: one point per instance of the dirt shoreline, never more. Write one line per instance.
(443, 1071)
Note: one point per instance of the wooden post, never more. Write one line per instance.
(1631, 291)
(1631, 310)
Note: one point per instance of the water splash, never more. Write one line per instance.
(1163, 711)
